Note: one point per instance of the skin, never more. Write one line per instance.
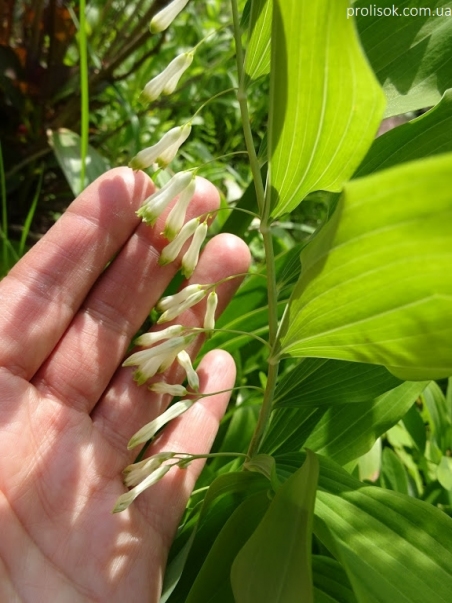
(67, 408)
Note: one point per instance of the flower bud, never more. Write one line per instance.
(209, 318)
(148, 339)
(166, 388)
(184, 360)
(150, 361)
(125, 500)
(137, 472)
(148, 431)
(171, 251)
(175, 220)
(166, 16)
(179, 308)
(166, 82)
(173, 300)
(164, 151)
(156, 203)
(190, 259)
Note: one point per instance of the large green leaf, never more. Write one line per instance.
(325, 103)
(257, 60)
(317, 381)
(411, 55)
(274, 566)
(213, 582)
(343, 432)
(331, 584)
(346, 432)
(221, 500)
(430, 134)
(393, 547)
(383, 294)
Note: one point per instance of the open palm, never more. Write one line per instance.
(67, 410)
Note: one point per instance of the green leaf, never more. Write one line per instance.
(325, 103)
(428, 135)
(393, 547)
(274, 566)
(213, 582)
(393, 473)
(317, 381)
(410, 55)
(257, 59)
(444, 473)
(383, 294)
(67, 149)
(343, 432)
(346, 432)
(221, 500)
(439, 420)
(331, 584)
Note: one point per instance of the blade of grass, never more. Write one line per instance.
(6, 243)
(30, 214)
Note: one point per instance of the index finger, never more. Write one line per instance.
(45, 289)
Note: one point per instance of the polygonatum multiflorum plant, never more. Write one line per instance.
(325, 484)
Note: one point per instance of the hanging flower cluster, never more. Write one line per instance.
(161, 349)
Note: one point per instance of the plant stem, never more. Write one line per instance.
(243, 104)
(264, 208)
(83, 53)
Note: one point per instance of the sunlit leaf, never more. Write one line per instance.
(317, 381)
(393, 547)
(383, 294)
(325, 103)
(257, 60)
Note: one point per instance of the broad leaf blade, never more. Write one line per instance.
(213, 581)
(397, 548)
(317, 381)
(383, 294)
(346, 432)
(274, 566)
(325, 103)
(411, 55)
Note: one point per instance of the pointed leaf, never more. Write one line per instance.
(274, 566)
(317, 381)
(325, 103)
(383, 294)
(397, 548)
(410, 54)
(430, 134)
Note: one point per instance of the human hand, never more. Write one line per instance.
(67, 411)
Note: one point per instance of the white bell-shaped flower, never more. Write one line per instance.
(184, 360)
(171, 251)
(211, 306)
(156, 203)
(190, 258)
(176, 217)
(166, 82)
(163, 19)
(164, 151)
(148, 431)
(125, 500)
